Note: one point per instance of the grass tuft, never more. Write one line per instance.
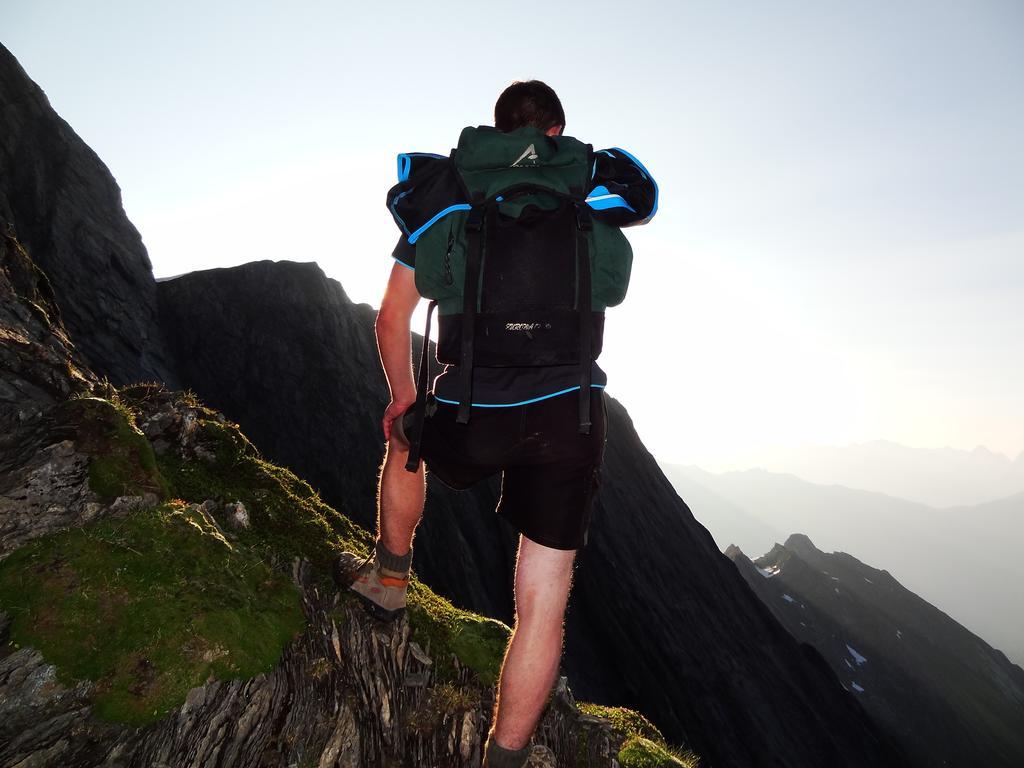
(644, 746)
(477, 641)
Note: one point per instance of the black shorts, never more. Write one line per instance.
(550, 472)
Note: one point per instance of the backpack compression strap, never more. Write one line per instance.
(583, 225)
(474, 255)
(420, 406)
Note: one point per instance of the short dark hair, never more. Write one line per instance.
(529, 102)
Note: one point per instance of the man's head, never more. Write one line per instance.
(529, 103)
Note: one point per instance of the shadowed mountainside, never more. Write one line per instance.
(942, 691)
(66, 209)
(917, 542)
(163, 598)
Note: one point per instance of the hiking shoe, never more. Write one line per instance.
(381, 591)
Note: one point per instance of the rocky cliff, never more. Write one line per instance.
(66, 209)
(164, 600)
(941, 690)
(659, 619)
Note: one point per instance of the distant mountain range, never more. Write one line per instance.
(938, 477)
(943, 692)
(965, 560)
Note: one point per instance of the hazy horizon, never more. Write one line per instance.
(836, 258)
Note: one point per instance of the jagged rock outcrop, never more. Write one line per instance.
(942, 692)
(66, 209)
(43, 483)
(348, 691)
(659, 620)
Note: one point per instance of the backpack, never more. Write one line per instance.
(519, 250)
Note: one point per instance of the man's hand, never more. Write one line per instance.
(395, 410)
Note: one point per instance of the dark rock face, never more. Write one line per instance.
(66, 209)
(659, 619)
(349, 691)
(43, 483)
(36, 354)
(279, 348)
(941, 691)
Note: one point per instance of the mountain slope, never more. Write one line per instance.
(164, 598)
(948, 556)
(279, 348)
(948, 696)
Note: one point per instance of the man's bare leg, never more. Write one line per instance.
(400, 498)
(528, 673)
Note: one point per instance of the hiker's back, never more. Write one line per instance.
(518, 243)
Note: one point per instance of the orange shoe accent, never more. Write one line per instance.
(389, 581)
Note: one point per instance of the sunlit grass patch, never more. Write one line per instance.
(147, 607)
(644, 746)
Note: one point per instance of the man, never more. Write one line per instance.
(525, 423)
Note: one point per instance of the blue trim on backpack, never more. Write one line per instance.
(405, 162)
(611, 201)
(521, 402)
(433, 219)
(647, 173)
(407, 266)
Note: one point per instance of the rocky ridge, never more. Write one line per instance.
(941, 691)
(132, 466)
(703, 658)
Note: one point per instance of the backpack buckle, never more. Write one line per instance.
(475, 222)
(584, 223)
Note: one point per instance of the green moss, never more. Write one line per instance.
(644, 746)
(477, 641)
(288, 518)
(154, 604)
(626, 721)
(148, 607)
(639, 752)
(442, 700)
(121, 459)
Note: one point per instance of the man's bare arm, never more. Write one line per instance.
(394, 341)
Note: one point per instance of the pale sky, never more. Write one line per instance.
(837, 255)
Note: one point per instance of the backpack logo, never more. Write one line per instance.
(528, 154)
(526, 326)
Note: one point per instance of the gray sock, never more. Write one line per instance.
(391, 561)
(496, 756)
